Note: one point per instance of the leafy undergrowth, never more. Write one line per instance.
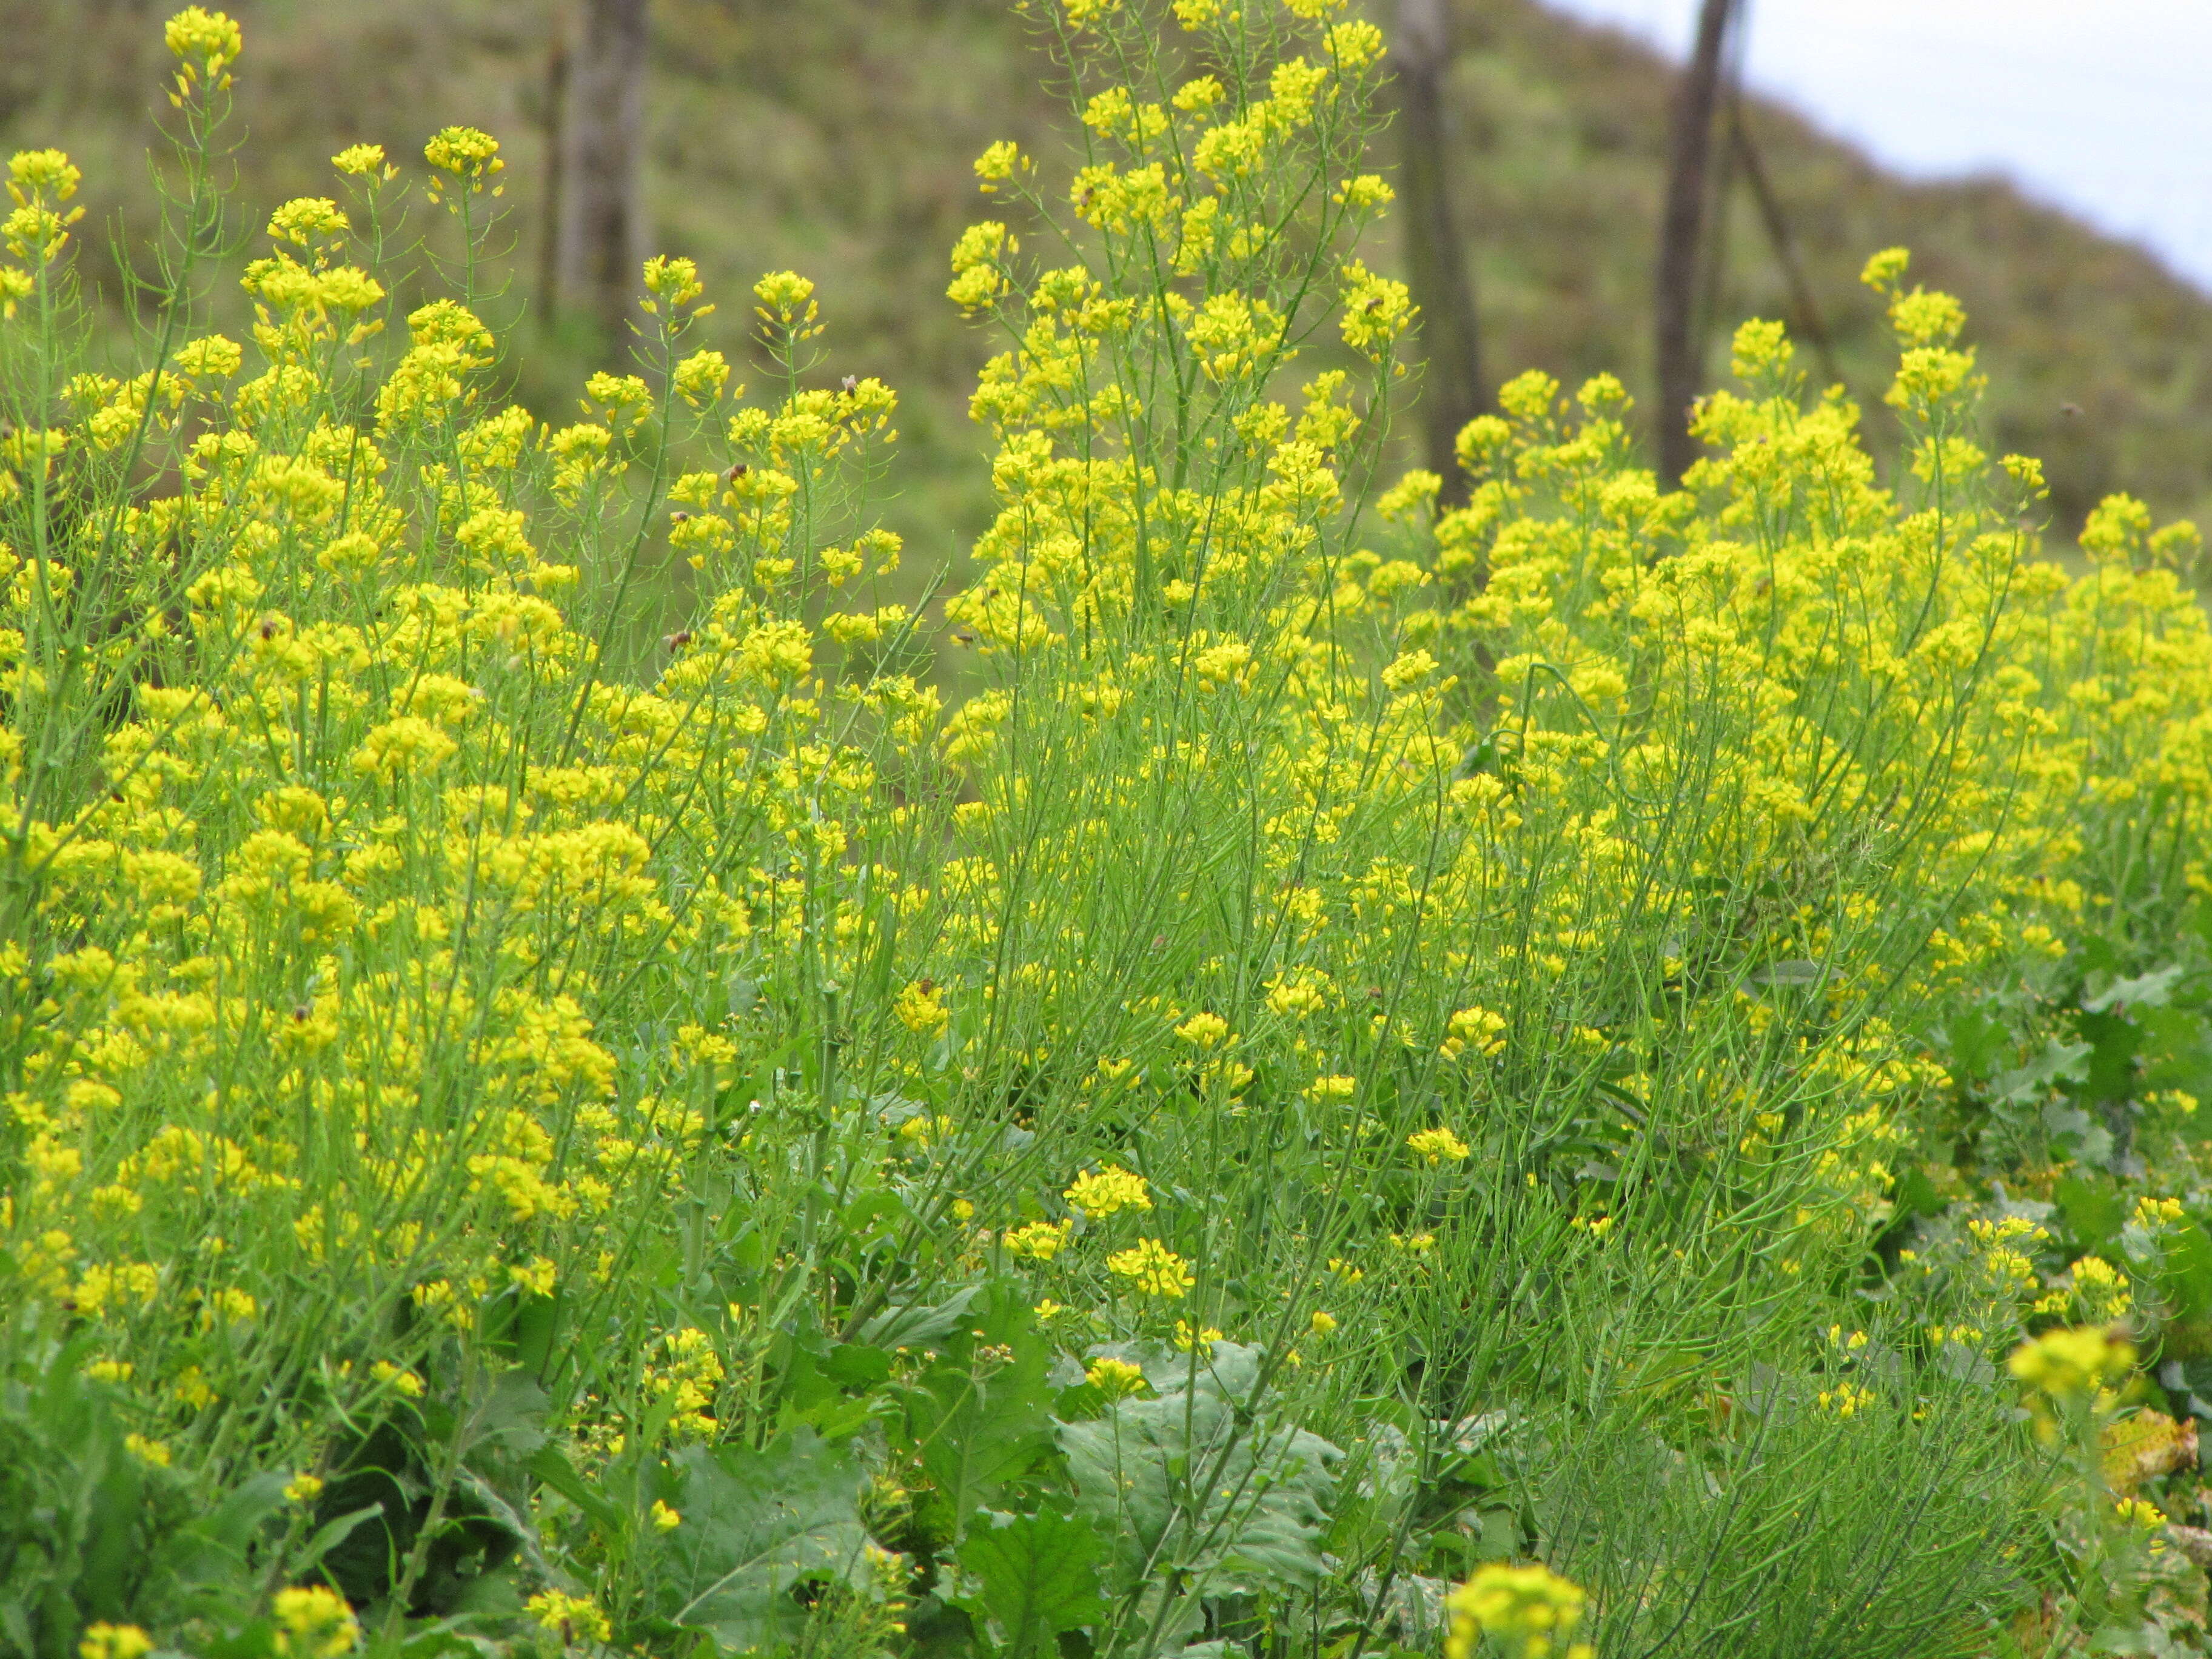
(1629, 1052)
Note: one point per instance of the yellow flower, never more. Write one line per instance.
(1204, 1030)
(1110, 1189)
(1000, 163)
(151, 1453)
(308, 219)
(676, 282)
(2070, 1364)
(470, 155)
(1186, 1338)
(701, 377)
(1530, 1609)
(569, 1616)
(1117, 1379)
(664, 1518)
(1152, 1268)
(1322, 1324)
(538, 1276)
(303, 1488)
(921, 1008)
(114, 1642)
(315, 1623)
(1438, 1146)
(403, 1382)
(1479, 1029)
(360, 160)
(1845, 1399)
(209, 39)
(1040, 1241)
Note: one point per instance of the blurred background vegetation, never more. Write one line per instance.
(834, 137)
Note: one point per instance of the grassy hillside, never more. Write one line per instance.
(834, 137)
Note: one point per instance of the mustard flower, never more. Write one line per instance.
(570, 1617)
(785, 297)
(1438, 1146)
(999, 164)
(2070, 1364)
(468, 157)
(1040, 1241)
(104, 1641)
(1204, 1030)
(1187, 1336)
(674, 282)
(306, 220)
(1152, 1268)
(403, 1382)
(1531, 1610)
(1117, 1379)
(1108, 1191)
(1376, 311)
(359, 160)
(701, 377)
(207, 39)
(314, 1623)
(921, 1008)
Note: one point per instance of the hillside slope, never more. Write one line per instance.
(835, 136)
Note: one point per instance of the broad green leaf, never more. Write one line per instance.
(754, 1524)
(1038, 1576)
(978, 1425)
(915, 1325)
(1199, 1479)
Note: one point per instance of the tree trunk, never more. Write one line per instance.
(1435, 262)
(1681, 235)
(547, 296)
(599, 238)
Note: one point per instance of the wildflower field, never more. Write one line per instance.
(1524, 1066)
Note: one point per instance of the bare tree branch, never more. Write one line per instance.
(1681, 237)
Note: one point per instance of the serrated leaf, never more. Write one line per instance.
(978, 1427)
(754, 1524)
(1038, 1576)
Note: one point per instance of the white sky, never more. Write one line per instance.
(2103, 107)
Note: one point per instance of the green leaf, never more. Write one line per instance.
(552, 1466)
(1199, 1481)
(917, 1325)
(1038, 1576)
(2094, 1212)
(754, 1524)
(977, 1425)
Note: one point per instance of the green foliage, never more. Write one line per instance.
(755, 1525)
(556, 1097)
(1037, 1577)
